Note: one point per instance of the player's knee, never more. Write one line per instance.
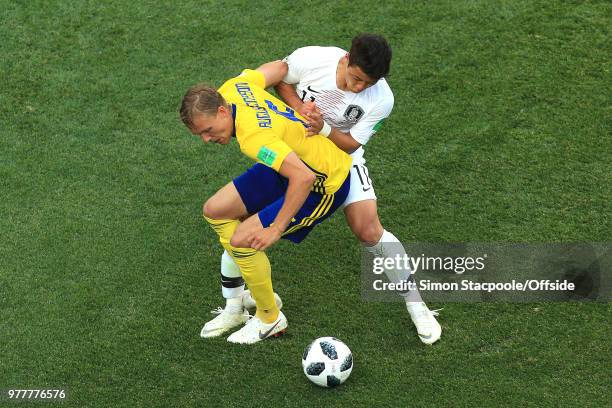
(211, 210)
(369, 232)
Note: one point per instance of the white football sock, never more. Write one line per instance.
(232, 284)
(390, 247)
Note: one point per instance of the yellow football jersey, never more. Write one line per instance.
(267, 130)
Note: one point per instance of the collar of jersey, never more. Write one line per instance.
(234, 117)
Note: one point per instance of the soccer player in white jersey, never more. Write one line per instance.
(346, 98)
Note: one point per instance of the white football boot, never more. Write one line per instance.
(255, 330)
(428, 328)
(249, 303)
(226, 320)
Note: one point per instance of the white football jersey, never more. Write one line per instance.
(313, 71)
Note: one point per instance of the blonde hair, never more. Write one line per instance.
(200, 100)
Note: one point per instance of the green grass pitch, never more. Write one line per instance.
(501, 132)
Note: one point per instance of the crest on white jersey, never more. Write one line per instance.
(353, 113)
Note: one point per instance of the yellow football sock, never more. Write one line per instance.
(254, 266)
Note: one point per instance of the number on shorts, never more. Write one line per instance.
(364, 177)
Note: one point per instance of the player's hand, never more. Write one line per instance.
(265, 238)
(307, 108)
(315, 123)
(314, 118)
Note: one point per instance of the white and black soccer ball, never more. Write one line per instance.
(327, 362)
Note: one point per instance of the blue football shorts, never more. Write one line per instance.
(263, 190)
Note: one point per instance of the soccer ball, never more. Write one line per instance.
(327, 362)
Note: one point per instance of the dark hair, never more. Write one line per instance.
(372, 54)
(200, 99)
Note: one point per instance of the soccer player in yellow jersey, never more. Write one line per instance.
(297, 182)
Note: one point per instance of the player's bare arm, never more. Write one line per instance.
(287, 93)
(300, 179)
(343, 140)
(273, 72)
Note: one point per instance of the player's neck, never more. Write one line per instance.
(341, 73)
